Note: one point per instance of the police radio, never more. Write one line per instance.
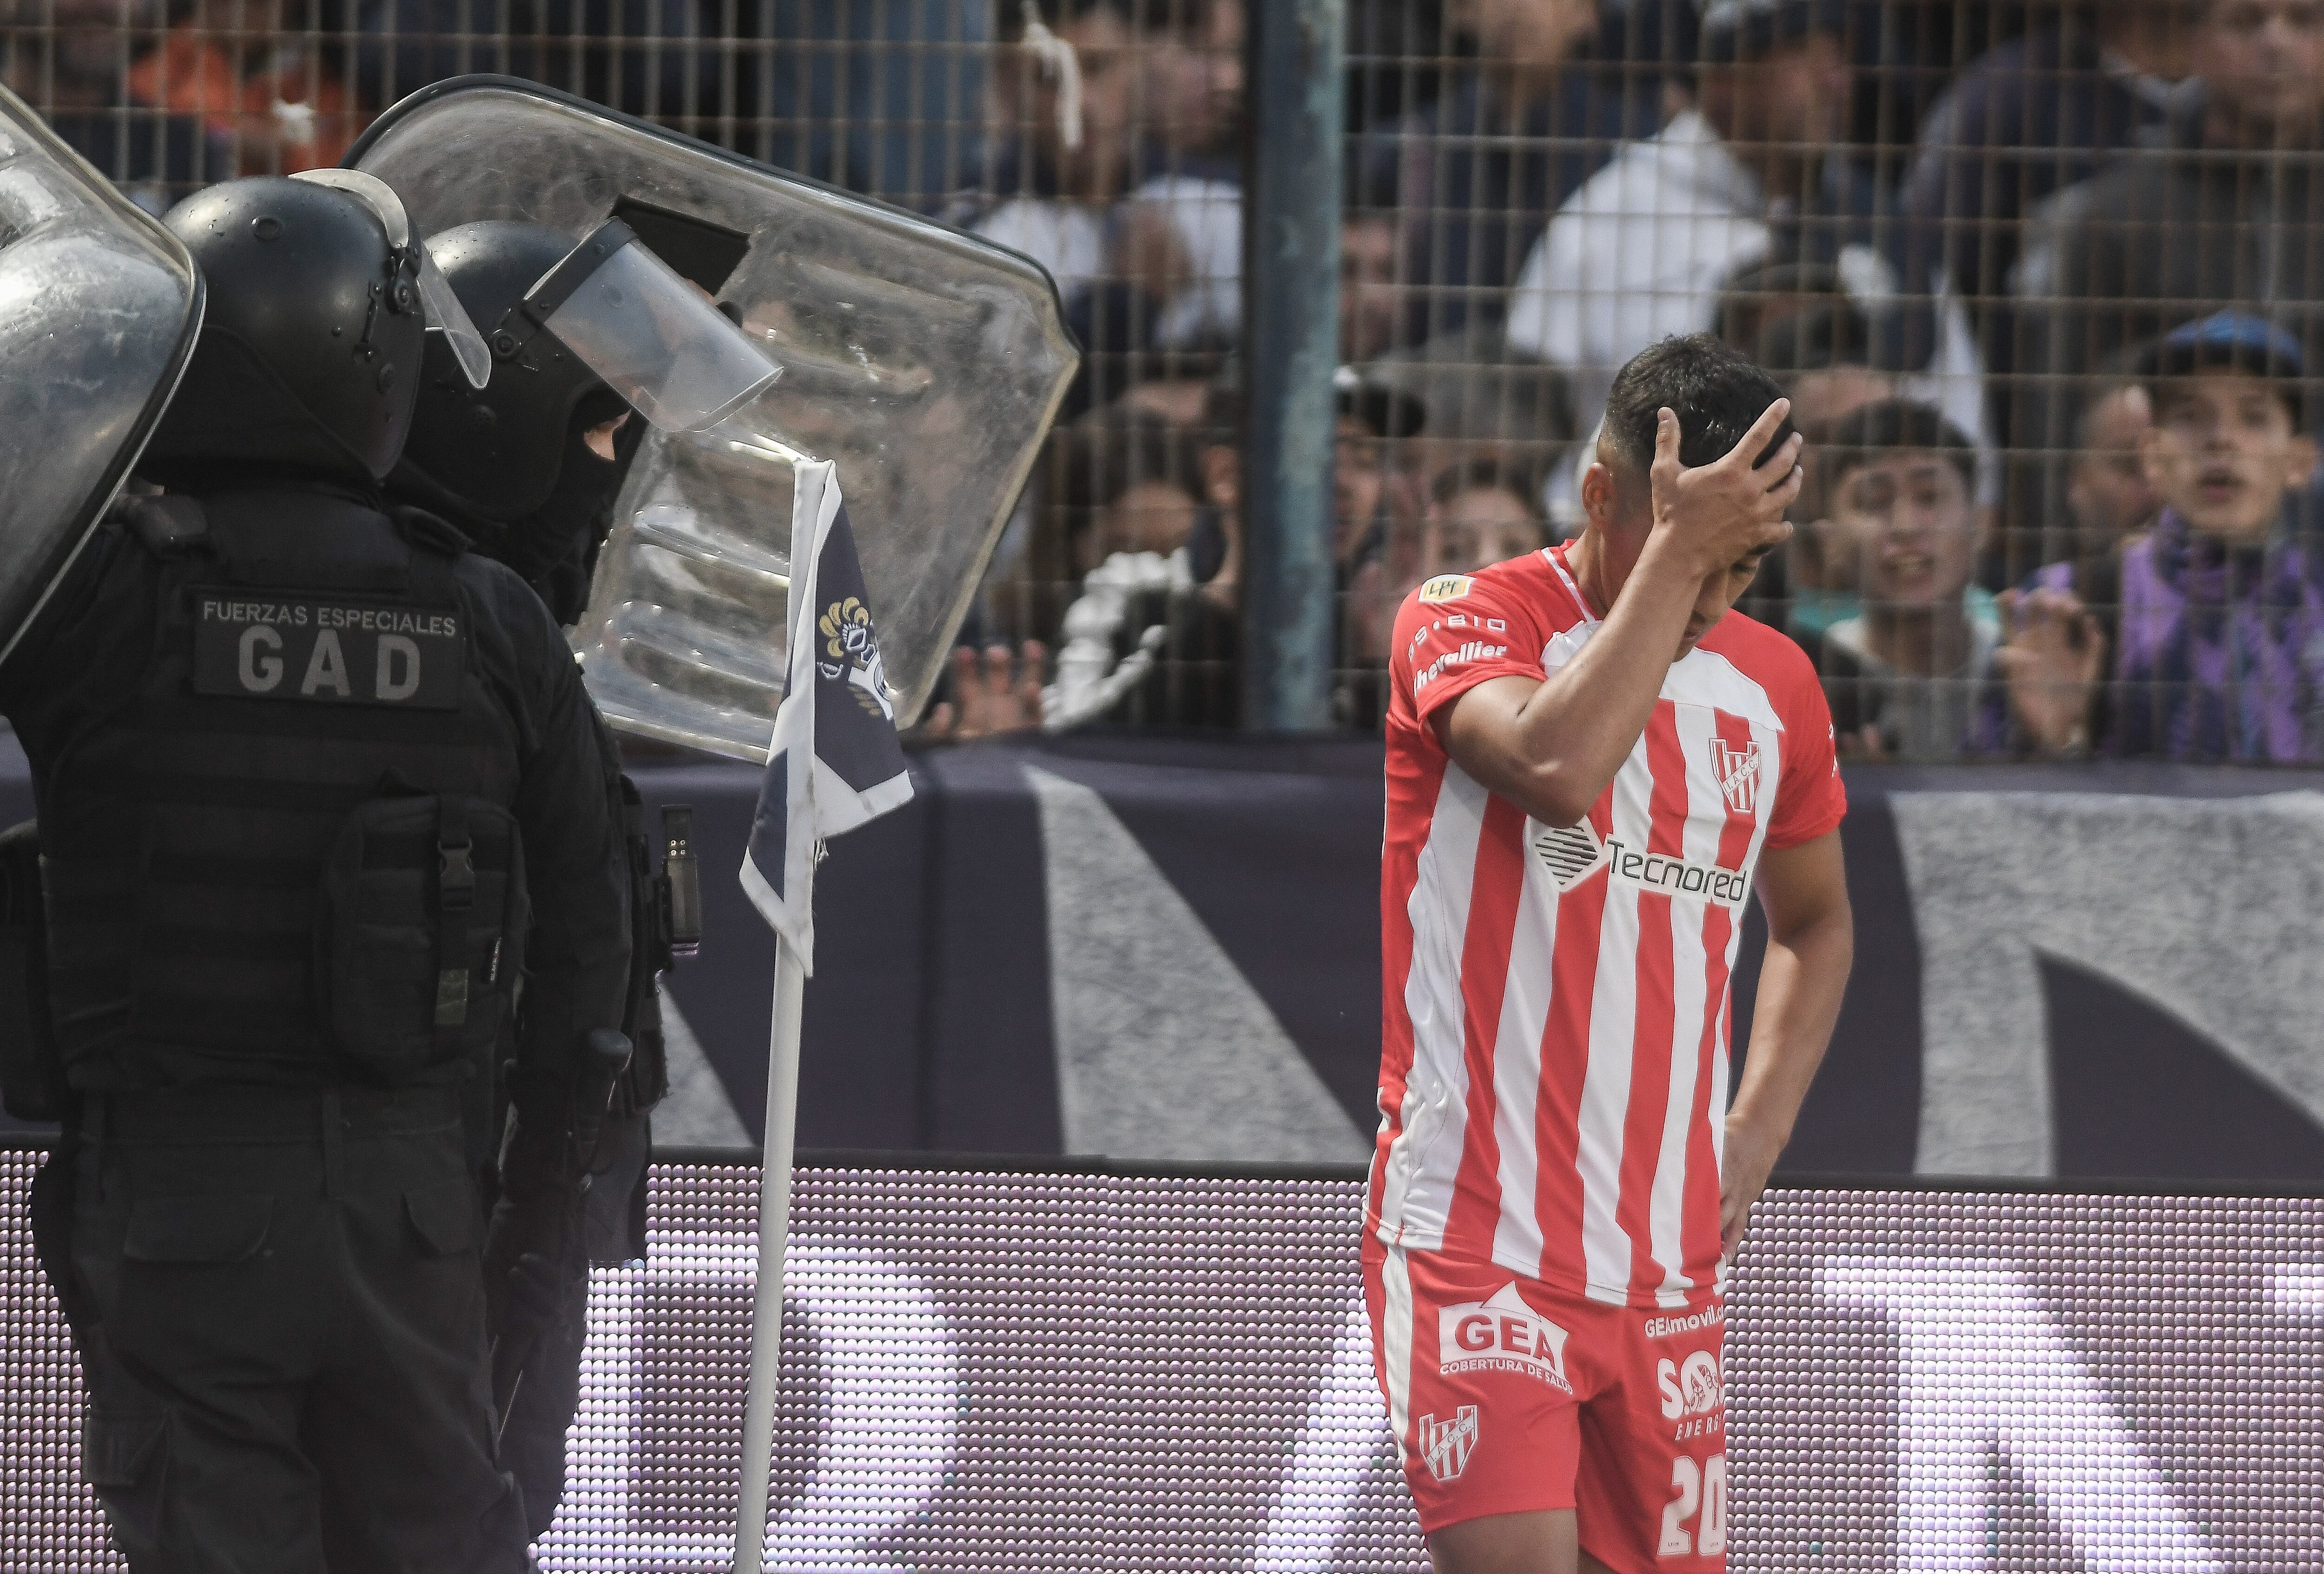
(665, 926)
(681, 883)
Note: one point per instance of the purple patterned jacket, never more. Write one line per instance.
(2219, 652)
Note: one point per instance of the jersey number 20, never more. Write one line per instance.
(1699, 1486)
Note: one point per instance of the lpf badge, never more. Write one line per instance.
(1445, 1446)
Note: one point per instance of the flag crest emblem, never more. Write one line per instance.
(851, 652)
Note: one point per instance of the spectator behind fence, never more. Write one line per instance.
(1481, 511)
(1479, 397)
(69, 59)
(2109, 496)
(1121, 494)
(1475, 176)
(1145, 246)
(1759, 299)
(2230, 215)
(1195, 86)
(1821, 357)
(1129, 484)
(1371, 296)
(885, 98)
(646, 57)
(2216, 640)
(2029, 120)
(257, 84)
(1119, 480)
(1746, 176)
(1906, 673)
(1149, 646)
(1181, 243)
(1838, 342)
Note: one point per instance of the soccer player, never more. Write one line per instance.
(1590, 764)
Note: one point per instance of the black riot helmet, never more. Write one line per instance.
(497, 454)
(310, 354)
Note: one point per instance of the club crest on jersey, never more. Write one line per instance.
(1446, 587)
(1501, 1335)
(1738, 771)
(1445, 1445)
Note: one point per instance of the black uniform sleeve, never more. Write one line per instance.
(22, 678)
(576, 866)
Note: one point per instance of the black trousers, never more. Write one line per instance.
(282, 1329)
(541, 1420)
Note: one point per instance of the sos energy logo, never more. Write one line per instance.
(1694, 1390)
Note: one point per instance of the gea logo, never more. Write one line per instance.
(1692, 1389)
(1501, 1335)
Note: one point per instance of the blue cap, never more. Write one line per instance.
(2238, 341)
(2226, 339)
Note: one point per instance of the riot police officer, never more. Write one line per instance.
(528, 467)
(322, 800)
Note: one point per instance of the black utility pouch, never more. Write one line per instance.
(31, 1072)
(420, 941)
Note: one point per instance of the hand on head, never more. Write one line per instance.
(1725, 512)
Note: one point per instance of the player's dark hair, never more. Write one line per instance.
(1716, 390)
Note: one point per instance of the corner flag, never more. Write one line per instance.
(834, 762)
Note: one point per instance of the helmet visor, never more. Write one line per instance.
(446, 315)
(655, 339)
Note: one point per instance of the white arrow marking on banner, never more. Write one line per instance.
(1346, 1431)
(889, 1368)
(1986, 1367)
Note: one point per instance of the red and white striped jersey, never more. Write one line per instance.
(1554, 1003)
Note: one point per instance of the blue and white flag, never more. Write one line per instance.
(834, 762)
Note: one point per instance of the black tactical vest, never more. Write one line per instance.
(312, 662)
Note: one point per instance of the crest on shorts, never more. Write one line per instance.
(1445, 1446)
(1738, 770)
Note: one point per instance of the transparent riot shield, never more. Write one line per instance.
(926, 363)
(100, 306)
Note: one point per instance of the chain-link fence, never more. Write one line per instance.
(2042, 280)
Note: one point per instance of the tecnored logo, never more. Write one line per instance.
(1670, 876)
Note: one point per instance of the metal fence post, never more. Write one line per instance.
(1290, 349)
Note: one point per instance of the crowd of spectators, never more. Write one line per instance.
(2044, 282)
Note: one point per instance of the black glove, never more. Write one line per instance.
(526, 1248)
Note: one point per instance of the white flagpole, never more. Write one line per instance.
(774, 1230)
